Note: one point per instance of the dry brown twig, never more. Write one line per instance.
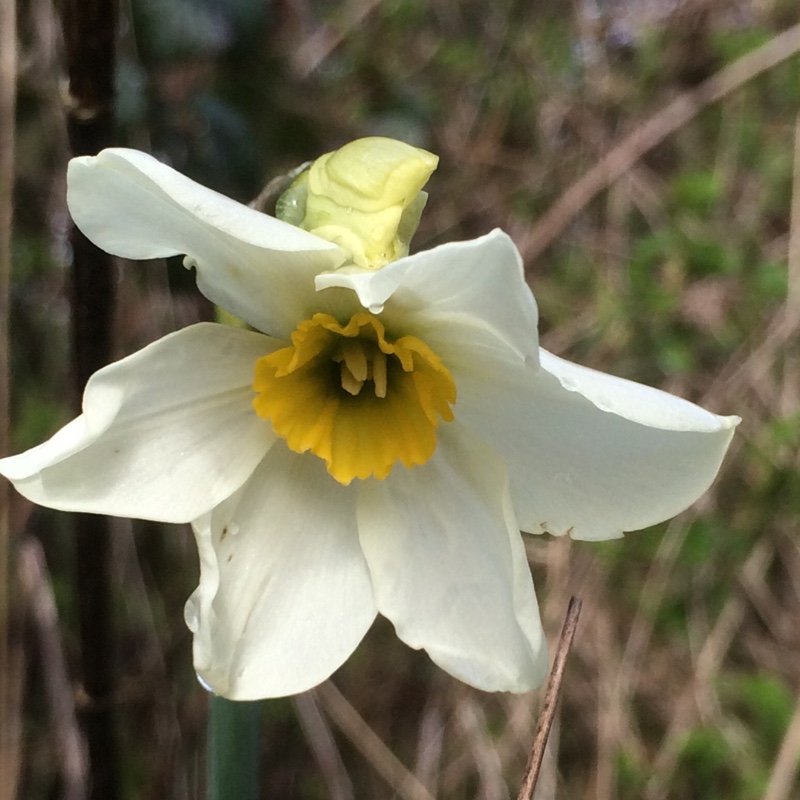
(787, 762)
(404, 782)
(369, 744)
(430, 745)
(550, 700)
(471, 720)
(9, 721)
(70, 745)
(320, 739)
(322, 42)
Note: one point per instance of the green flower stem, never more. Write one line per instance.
(233, 749)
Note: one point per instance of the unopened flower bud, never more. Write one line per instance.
(366, 197)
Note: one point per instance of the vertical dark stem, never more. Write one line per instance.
(9, 719)
(90, 29)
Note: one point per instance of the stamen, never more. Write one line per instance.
(379, 372)
(355, 358)
(350, 383)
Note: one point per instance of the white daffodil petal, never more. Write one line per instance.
(253, 265)
(165, 434)
(477, 284)
(589, 454)
(285, 594)
(449, 567)
(634, 401)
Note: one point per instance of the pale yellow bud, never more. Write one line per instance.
(366, 197)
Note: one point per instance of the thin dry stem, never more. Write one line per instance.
(320, 44)
(651, 598)
(369, 744)
(784, 772)
(320, 739)
(793, 256)
(8, 88)
(471, 720)
(550, 700)
(70, 745)
(428, 763)
(790, 391)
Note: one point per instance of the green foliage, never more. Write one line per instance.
(707, 765)
(697, 193)
(632, 777)
(765, 705)
(732, 43)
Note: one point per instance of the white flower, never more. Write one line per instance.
(306, 523)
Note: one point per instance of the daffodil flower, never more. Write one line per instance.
(374, 446)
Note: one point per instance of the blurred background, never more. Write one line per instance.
(645, 156)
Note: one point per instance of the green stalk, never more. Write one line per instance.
(233, 749)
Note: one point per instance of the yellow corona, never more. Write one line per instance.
(353, 397)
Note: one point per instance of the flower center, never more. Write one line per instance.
(353, 397)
